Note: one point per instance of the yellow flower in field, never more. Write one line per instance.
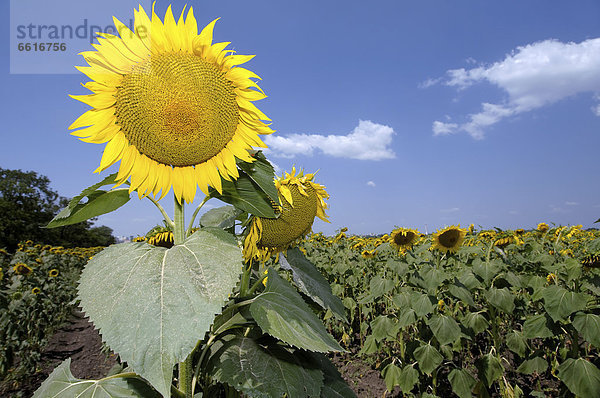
(471, 229)
(369, 253)
(301, 201)
(449, 239)
(22, 269)
(551, 278)
(345, 229)
(173, 107)
(404, 238)
(53, 273)
(339, 237)
(519, 231)
(542, 227)
(139, 239)
(36, 290)
(441, 305)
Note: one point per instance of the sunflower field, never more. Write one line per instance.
(491, 313)
(37, 283)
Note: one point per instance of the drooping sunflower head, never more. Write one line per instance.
(542, 227)
(22, 269)
(449, 239)
(404, 238)
(173, 107)
(301, 200)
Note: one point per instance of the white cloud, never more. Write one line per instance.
(441, 128)
(451, 210)
(368, 141)
(370, 184)
(571, 203)
(532, 76)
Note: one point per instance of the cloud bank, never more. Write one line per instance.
(368, 141)
(532, 76)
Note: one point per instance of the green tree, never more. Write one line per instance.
(27, 204)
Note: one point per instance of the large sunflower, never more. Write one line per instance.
(404, 238)
(301, 201)
(449, 239)
(173, 107)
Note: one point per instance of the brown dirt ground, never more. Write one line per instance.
(79, 340)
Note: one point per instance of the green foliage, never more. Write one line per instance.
(170, 322)
(27, 204)
(62, 384)
(33, 305)
(485, 311)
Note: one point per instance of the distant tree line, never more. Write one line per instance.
(27, 204)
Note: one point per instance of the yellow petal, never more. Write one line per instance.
(171, 31)
(189, 184)
(250, 95)
(159, 42)
(178, 182)
(213, 175)
(131, 40)
(92, 117)
(98, 101)
(104, 135)
(101, 75)
(250, 108)
(215, 50)
(143, 27)
(127, 163)
(112, 151)
(234, 60)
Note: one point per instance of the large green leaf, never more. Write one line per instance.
(560, 303)
(281, 312)
(538, 326)
(475, 321)
(310, 281)
(444, 328)
(589, 326)
(392, 376)
(385, 328)
(422, 303)
(580, 376)
(515, 341)
(462, 382)
(222, 217)
(246, 195)
(152, 304)
(263, 370)
(490, 368)
(428, 357)
(502, 299)
(487, 270)
(378, 286)
(98, 202)
(62, 384)
(460, 292)
(261, 172)
(432, 278)
(536, 364)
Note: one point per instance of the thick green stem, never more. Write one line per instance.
(185, 367)
(179, 228)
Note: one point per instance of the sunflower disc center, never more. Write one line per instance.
(177, 109)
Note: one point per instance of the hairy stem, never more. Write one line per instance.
(185, 367)
(162, 210)
(189, 228)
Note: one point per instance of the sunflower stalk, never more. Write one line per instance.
(185, 367)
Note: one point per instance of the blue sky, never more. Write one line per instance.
(416, 114)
